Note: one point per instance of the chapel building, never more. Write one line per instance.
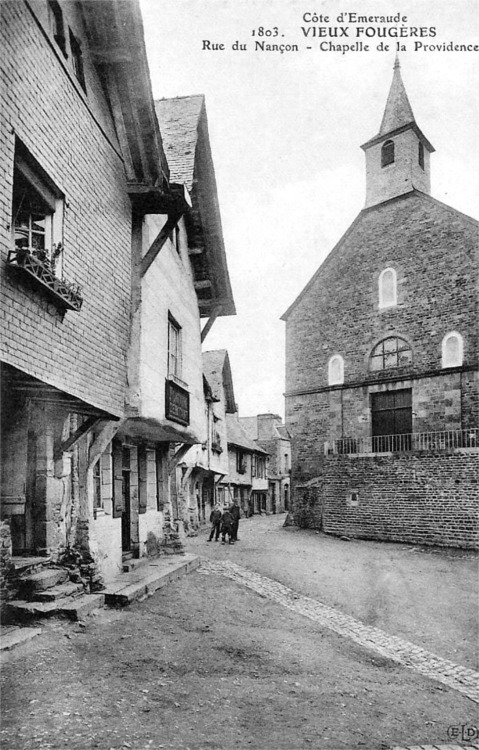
(381, 359)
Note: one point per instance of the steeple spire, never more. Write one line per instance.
(397, 159)
(398, 111)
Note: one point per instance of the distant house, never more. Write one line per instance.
(206, 464)
(381, 359)
(247, 480)
(269, 432)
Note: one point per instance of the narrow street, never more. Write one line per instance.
(209, 662)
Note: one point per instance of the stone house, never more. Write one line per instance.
(381, 359)
(102, 385)
(269, 432)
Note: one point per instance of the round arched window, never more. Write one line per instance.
(387, 288)
(389, 353)
(336, 370)
(452, 350)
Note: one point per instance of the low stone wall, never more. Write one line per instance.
(6, 565)
(416, 498)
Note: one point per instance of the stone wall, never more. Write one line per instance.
(5, 559)
(432, 248)
(416, 498)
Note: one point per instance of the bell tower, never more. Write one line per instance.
(397, 159)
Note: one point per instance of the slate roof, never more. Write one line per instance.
(398, 111)
(236, 435)
(398, 115)
(179, 118)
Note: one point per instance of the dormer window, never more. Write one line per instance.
(387, 153)
(387, 288)
(56, 21)
(77, 60)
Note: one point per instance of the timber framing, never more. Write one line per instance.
(209, 323)
(67, 445)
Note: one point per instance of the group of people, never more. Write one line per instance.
(225, 523)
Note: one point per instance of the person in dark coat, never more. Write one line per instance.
(226, 525)
(236, 513)
(215, 520)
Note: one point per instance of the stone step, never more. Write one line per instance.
(148, 578)
(14, 637)
(25, 565)
(62, 591)
(42, 580)
(74, 609)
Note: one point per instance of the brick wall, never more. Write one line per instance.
(415, 498)
(80, 353)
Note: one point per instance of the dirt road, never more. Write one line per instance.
(427, 595)
(207, 664)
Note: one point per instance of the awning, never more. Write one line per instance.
(156, 430)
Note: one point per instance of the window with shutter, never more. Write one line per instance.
(118, 494)
(142, 479)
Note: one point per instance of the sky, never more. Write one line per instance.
(286, 128)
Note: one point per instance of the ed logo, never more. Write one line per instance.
(464, 732)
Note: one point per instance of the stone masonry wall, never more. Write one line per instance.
(5, 558)
(82, 353)
(416, 498)
(433, 250)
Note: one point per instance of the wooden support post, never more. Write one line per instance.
(84, 428)
(209, 323)
(176, 458)
(99, 445)
(160, 240)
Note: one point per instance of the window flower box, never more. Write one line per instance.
(35, 264)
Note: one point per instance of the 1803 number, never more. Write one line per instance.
(261, 31)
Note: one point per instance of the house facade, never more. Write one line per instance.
(247, 479)
(381, 359)
(102, 382)
(269, 432)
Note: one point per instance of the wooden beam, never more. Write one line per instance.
(120, 123)
(84, 428)
(99, 445)
(160, 240)
(176, 458)
(209, 323)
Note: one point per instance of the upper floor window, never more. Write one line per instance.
(37, 212)
(452, 350)
(420, 155)
(387, 153)
(174, 348)
(260, 467)
(336, 370)
(77, 60)
(387, 288)
(240, 462)
(58, 28)
(389, 353)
